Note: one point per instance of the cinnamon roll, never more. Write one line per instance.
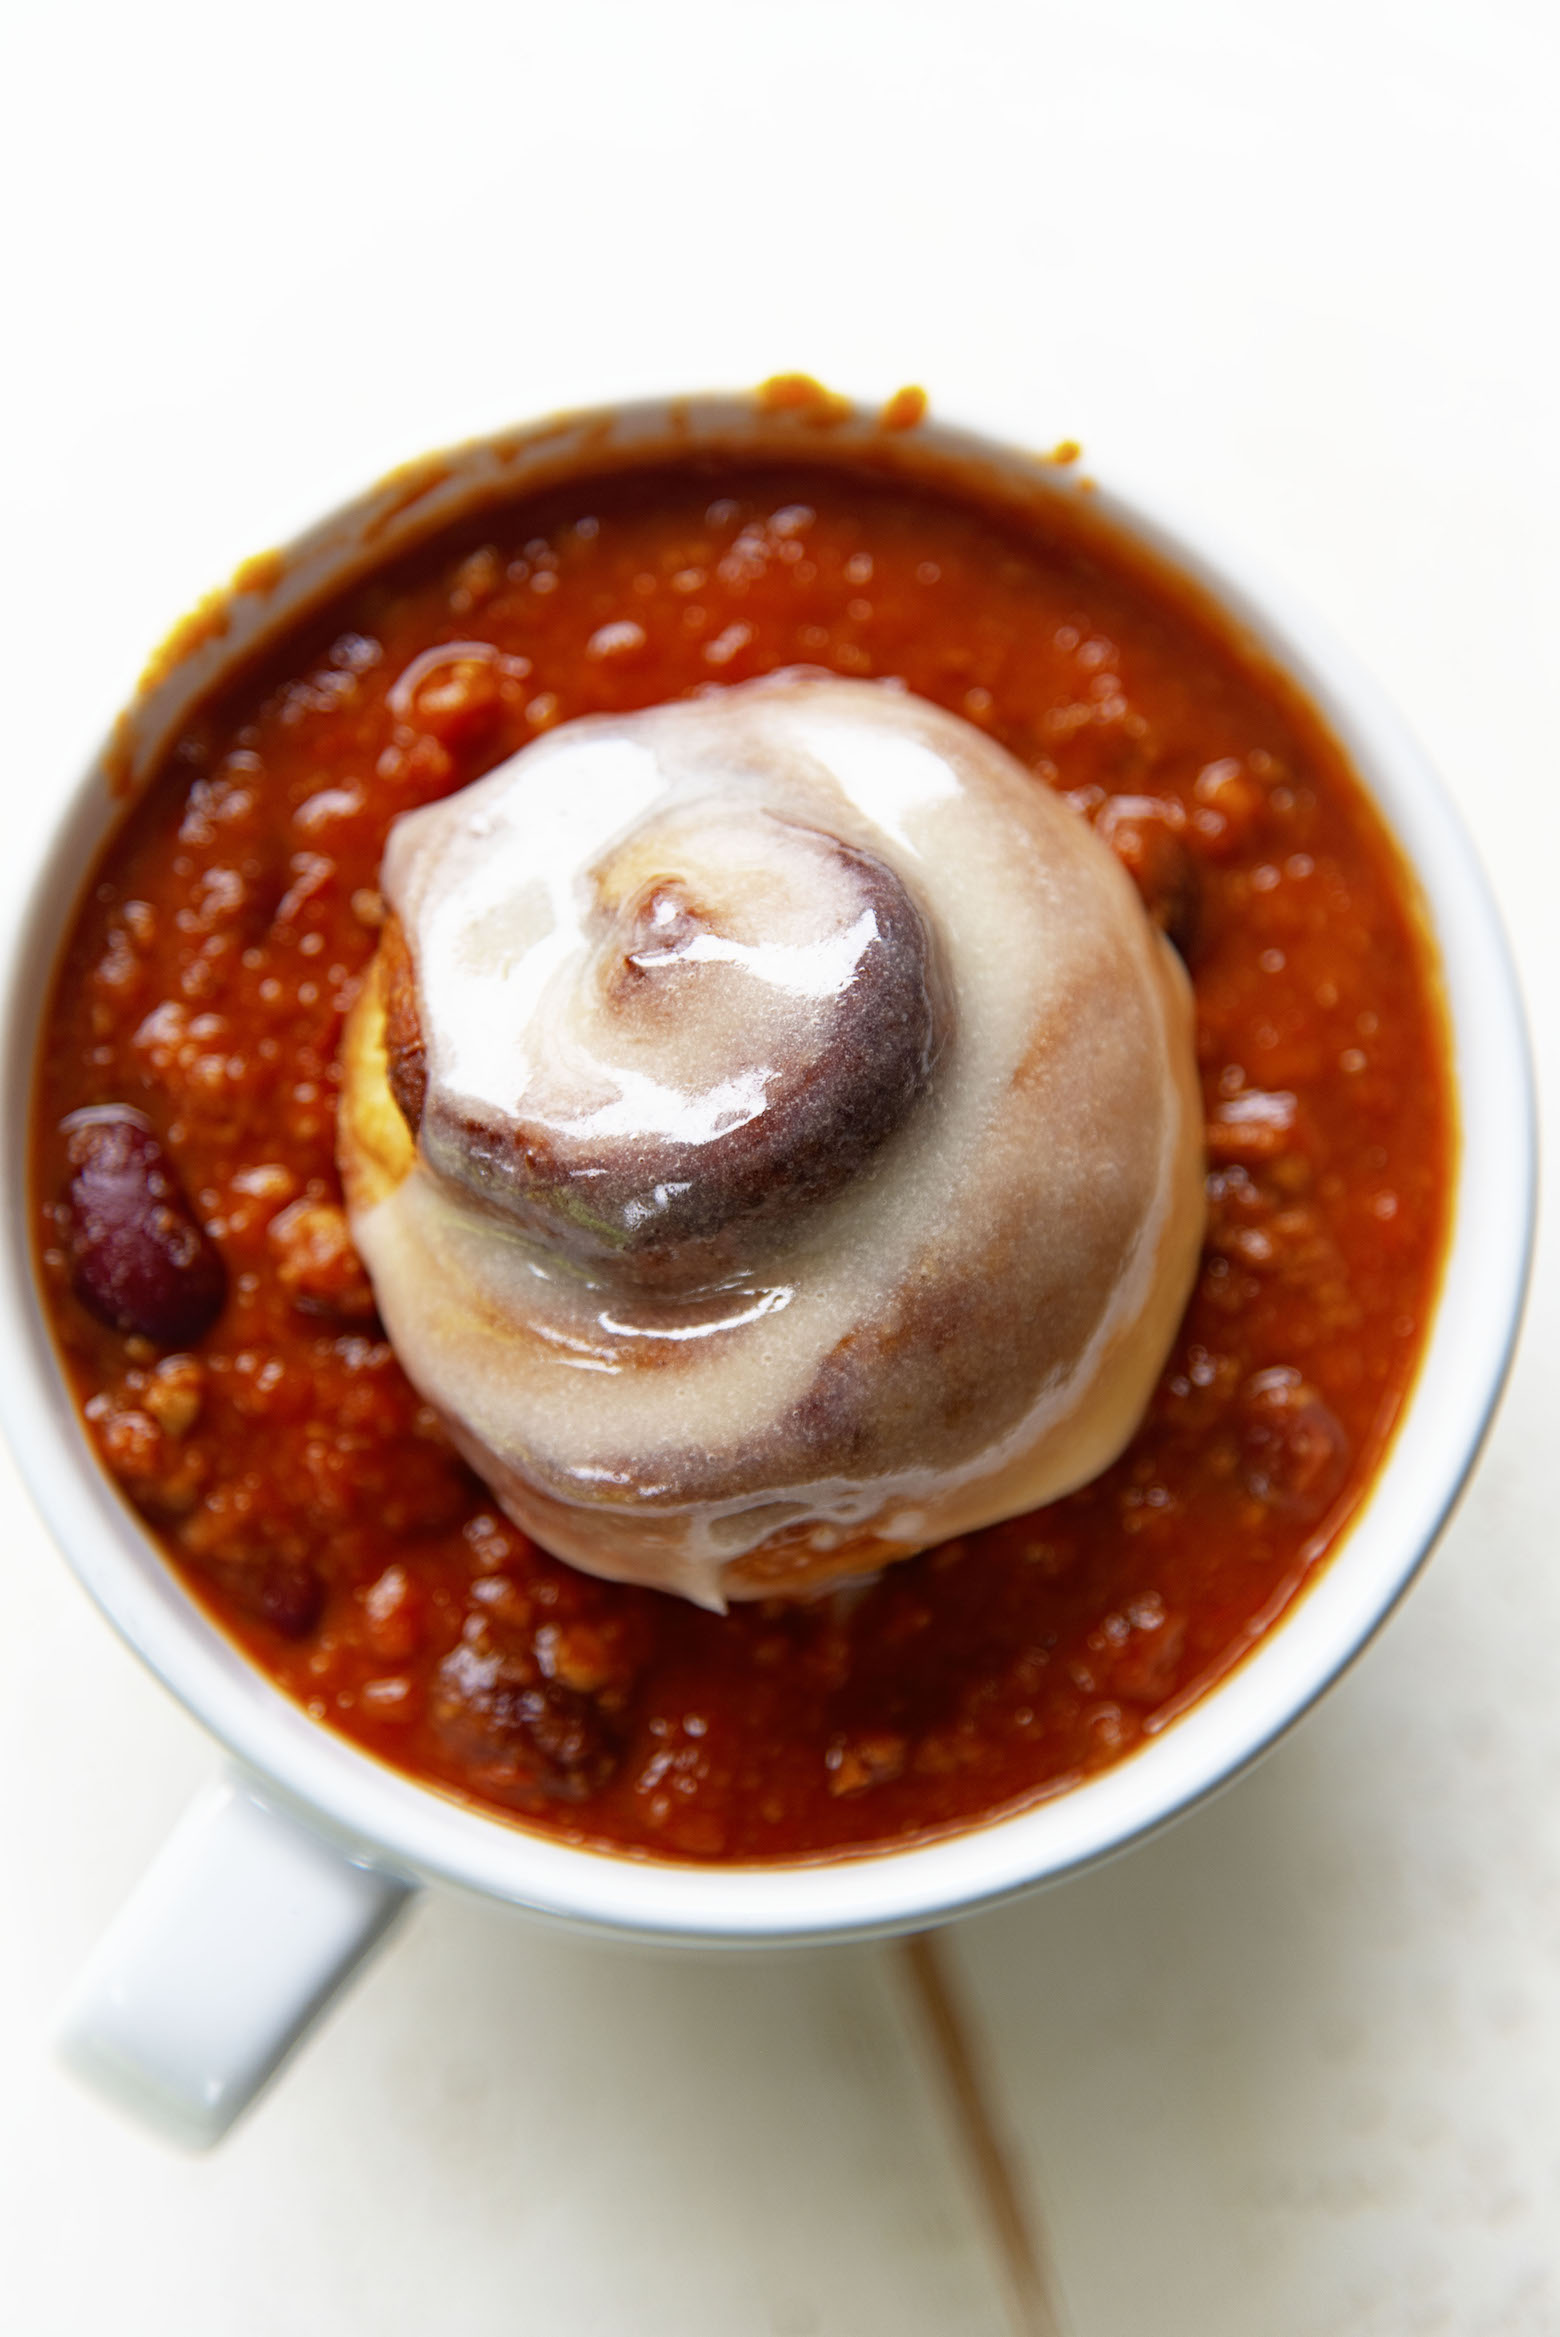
(770, 1124)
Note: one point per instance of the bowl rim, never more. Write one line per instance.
(384, 1818)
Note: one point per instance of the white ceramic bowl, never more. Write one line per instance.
(331, 1837)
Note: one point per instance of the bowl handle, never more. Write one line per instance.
(244, 1928)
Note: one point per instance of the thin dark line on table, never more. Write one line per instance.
(1014, 2225)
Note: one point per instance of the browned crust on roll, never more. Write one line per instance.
(406, 1051)
(374, 1147)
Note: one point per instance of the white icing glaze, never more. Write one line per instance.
(967, 1322)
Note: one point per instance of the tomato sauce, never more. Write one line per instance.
(267, 1434)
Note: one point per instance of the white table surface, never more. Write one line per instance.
(1295, 2068)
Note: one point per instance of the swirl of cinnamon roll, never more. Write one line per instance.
(770, 1124)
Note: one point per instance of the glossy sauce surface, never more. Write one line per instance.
(291, 1473)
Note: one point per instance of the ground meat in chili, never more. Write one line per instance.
(313, 1503)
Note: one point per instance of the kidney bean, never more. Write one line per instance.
(140, 1261)
(1295, 1454)
(530, 1735)
(287, 1593)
